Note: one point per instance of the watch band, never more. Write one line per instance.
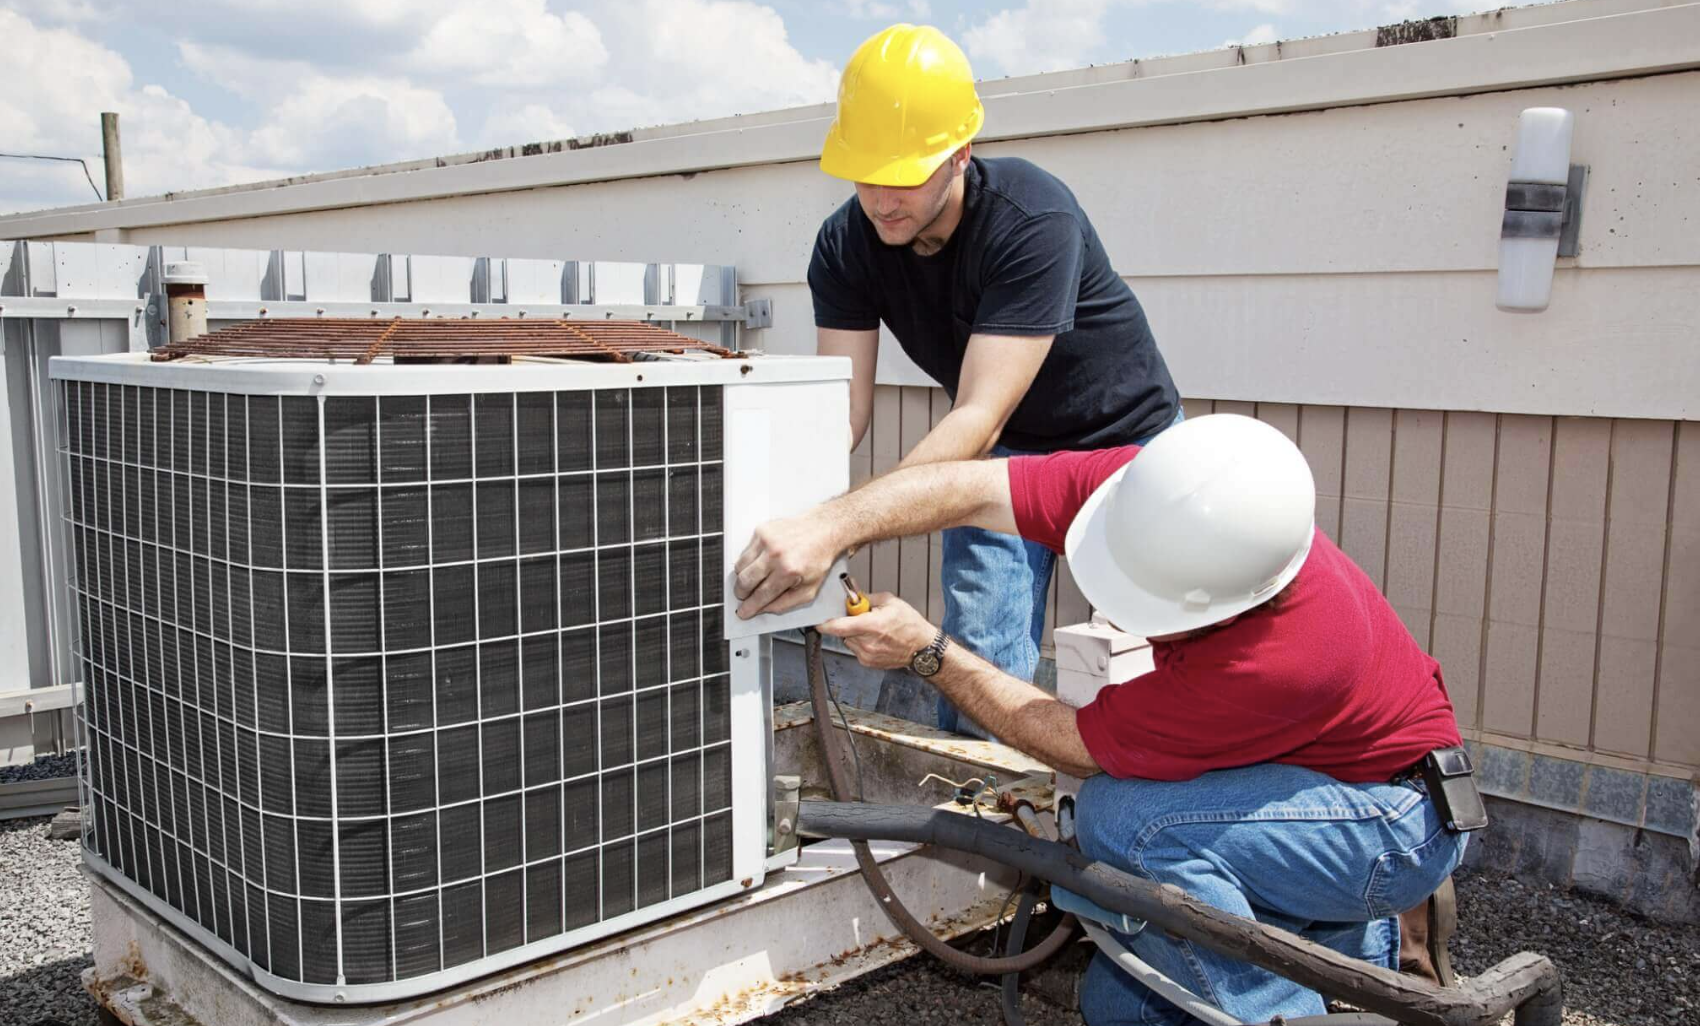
(927, 661)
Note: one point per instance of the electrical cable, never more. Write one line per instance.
(68, 160)
(1009, 989)
(895, 910)
(849, 735)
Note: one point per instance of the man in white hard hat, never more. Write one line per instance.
(1279, 761)
(989, 275)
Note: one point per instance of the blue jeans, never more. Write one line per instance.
(995, 587)
(1288, 846)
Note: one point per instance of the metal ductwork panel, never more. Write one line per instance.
(401, 674)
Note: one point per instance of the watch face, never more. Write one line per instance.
(925, 663)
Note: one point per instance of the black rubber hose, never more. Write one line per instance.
(895, 910)
(1011, 985)
(1526, 982)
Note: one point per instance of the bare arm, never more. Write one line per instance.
(1015, 711)
(863, 349)
(787, 560)
(996, 372)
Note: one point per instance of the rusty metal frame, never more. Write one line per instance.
(437, 340)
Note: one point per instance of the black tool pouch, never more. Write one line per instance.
(1451, 783)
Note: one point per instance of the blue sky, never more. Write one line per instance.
(217, 92)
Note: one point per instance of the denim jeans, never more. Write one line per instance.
(1288, 846)
(995, 587)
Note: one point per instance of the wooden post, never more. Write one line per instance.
(114, 155)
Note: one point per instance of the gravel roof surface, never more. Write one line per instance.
(44, 768)
(44, 927)
(1619, 969)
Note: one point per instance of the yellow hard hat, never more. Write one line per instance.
(906, 103)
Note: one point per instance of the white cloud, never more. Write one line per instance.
(1264, 33)
(55, 11)
(1264, 6)
(511, 43)
(492, 43)
(332, 122)
(58, 81)
(314, 119)
(1039, 36)
(534, 122)
(293, 86)
(682, 48)
(886, 10)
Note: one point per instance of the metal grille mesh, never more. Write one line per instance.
(377, 687)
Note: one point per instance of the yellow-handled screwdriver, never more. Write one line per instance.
(855, 603)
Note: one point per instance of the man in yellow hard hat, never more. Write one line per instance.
(990, 276)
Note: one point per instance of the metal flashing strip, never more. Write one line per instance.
(100, 281)
(29, 701)
(53, 308)
(25, 798)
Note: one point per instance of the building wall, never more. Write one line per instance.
(1551, 564)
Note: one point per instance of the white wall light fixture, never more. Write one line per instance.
(1543, 203)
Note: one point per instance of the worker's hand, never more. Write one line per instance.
(887, 636)
(785, 564)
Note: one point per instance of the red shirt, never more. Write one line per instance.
(1329, 678)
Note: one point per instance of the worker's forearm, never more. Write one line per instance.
(965, 433)
(1015, 712)
(861, 415)
(918, 500)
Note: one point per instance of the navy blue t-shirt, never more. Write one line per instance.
(1023, 261)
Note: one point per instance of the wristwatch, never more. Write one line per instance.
(927, 661)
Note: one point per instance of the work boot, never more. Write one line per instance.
(1425, 937)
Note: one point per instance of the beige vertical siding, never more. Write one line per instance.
(1413, 521)
(1636, 519)
(1552, 564)
(1676, 710)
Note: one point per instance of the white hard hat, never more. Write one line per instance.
(1212, 518)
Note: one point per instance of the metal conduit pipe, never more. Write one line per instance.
(895, 910)
(1526, 983)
